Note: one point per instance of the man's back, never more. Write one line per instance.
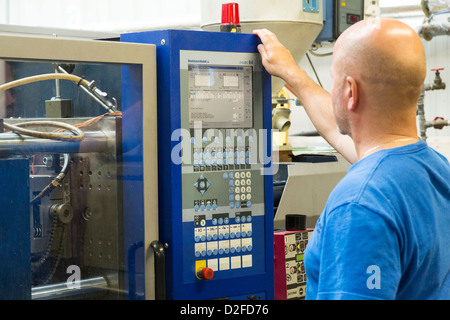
(385, 230)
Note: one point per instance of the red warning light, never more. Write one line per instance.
(230, 18)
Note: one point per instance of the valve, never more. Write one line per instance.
(205, 274)
(440, 127)
(438, 84)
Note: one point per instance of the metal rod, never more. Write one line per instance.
(99, 101)
(61, 290)
(95, 141)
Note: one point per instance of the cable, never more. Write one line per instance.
(314, 69)
(46, 135)
(48, 76)
(55, 182)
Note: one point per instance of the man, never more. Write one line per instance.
(384, 233)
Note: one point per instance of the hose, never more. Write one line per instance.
(46, 135)
(48, 76)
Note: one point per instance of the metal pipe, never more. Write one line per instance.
(94, 141)
(62, 291)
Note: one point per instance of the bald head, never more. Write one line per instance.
(386, 57)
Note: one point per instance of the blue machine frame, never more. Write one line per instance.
(181, 283)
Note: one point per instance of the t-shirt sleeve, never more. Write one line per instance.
(360, 255)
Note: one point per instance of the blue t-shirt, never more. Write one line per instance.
(385, 231)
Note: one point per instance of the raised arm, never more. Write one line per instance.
(279, 62)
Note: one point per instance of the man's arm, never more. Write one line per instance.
(279, 62)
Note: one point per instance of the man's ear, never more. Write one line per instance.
(351, 92)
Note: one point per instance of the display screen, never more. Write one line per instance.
(220, 96)
(299, 257)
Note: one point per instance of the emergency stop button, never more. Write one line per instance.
(205, 273)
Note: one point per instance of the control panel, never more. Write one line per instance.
(339, 16)
(214, 118)
(290, 275)
(347, 13)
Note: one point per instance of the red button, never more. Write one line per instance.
(206, 274)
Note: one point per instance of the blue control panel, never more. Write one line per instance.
(215, 182)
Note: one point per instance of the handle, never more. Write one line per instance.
(160, 270)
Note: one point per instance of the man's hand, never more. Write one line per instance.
(277, 60)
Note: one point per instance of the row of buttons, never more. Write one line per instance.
(220, 162)
(237, 175)
(222, 232)
(223, 218)
(239, 139)
(209, 154)
(223, 247)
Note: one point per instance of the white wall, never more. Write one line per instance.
(100, 15)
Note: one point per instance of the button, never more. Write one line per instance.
(249, 204)
(220, 220)
(248, 174)
(197, 239)
(237, 205)
(206, 274)
(214, 221)
(231, 205)
(231, 183)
